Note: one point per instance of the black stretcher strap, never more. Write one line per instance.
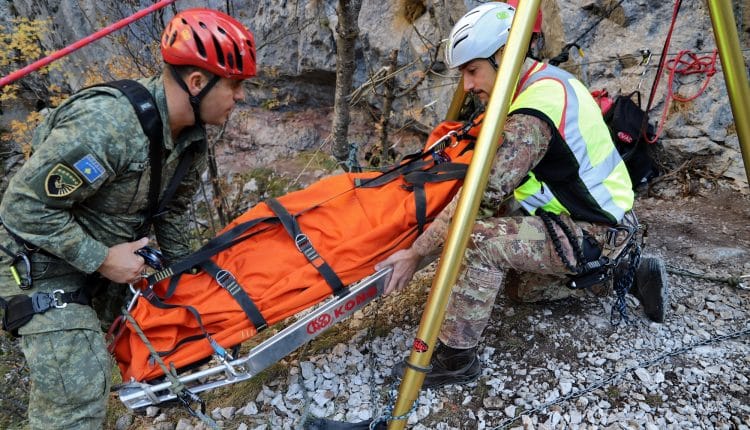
(227, 281)
(219, 243)
(418, 179)
(391, 175)
(305, 246)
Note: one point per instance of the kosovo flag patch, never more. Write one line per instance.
(89, 168)
(61, 181)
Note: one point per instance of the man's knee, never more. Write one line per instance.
(70, 378)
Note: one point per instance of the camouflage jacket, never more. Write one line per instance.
(85, 188)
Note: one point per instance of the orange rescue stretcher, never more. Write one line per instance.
(281, 257)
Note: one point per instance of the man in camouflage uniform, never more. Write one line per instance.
(556, 162)
(79, 208)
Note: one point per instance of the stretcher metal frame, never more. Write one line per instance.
(138, 395)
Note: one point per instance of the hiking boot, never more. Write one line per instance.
(449, 366)
(651, 289)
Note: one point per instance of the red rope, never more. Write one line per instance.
(705, 65)
(81, 43)
(677, 66)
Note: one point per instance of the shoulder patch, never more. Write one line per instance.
(61, 181)
(89, 168)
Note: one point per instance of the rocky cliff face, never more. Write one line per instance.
(296, 52)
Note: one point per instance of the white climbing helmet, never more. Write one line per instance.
(479, 33)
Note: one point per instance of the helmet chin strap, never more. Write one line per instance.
(195, 100)
(493, 62)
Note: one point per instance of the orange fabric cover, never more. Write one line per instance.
(352, 229)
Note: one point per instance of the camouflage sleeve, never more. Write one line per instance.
(525, 141)
(171, 229)
(71, 161)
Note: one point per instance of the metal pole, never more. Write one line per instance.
(468, 204)
(735, 72)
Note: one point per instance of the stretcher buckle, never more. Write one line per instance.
(305, 247)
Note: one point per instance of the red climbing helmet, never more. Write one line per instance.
(211, 40)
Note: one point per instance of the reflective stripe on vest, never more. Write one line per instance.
(584, 175)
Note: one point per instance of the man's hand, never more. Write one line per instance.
(404, 263)
(122, 264)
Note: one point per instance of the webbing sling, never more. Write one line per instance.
(219, 243)
(156, 302)
(305, 246)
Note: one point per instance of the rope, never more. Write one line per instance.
(184, 395)
(705, 65)
(738, 281)
(12, 77)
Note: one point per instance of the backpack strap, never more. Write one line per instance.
(148, 115)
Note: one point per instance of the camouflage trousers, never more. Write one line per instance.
(513, 253)
(70, 373)
(69, 365)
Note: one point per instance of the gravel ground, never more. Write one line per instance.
(551, 365)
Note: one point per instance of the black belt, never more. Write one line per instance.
(21, 308)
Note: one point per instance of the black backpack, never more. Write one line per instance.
(628, 124)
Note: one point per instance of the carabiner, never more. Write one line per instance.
(152, 257)
(24, 282)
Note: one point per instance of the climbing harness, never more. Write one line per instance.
(21, 308)
(591, 267)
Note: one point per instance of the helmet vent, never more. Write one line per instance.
(171, 40)
(238, 56)
(462, 29)
(250, 50)
(459, 40)
(219, 52)
(473, 12)
(199, 45)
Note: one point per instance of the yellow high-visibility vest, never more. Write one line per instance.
(582, 174)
